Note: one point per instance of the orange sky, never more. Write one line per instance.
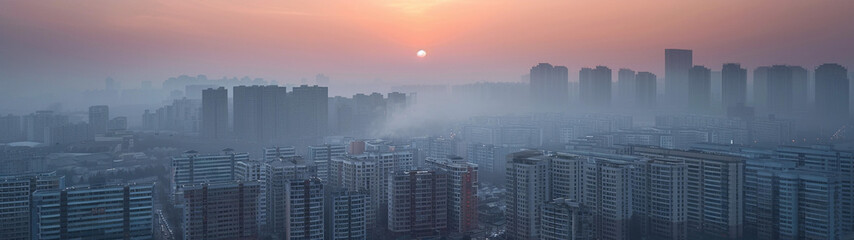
(360, 41)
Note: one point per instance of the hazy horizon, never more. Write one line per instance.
(78, 44)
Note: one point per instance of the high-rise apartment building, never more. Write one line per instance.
(279, 174)
(222, 210)
(418, 203)
(714, 187)
(658, 199)
(16, 201)
(304, 209)
(566, 219)
(462, 192)
(276, 153)
(800, 204)
(369, 172)
(565, 176)
(97, 212)
(192, 167)
(346, 214)
(607, 191)
(215, 113)
(321, 157)
(527, 185)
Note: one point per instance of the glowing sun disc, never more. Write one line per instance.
(421, 53)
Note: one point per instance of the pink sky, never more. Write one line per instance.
(491, 40)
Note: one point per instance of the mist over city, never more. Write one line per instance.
(443, 119)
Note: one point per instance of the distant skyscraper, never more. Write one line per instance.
(98, 117)
(260, 113)
(779, 90)
(831, 92)
(528, 189)
(418, 204)
(215, 113)
(16, 203)
(646, 90)
(760, 87)
(677, 63)
(800, 86)
(733, 85)
(699, 88)
(37, 125)
(96, 212)
(225, 210)
(10, 128)
(595, 86)
(549, 87)
(308, 112)
(626, 85)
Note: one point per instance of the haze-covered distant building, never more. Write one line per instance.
(595, 86)
(260, 113)
(677, 63)
(215, 113)
(626, 87)
(99, 116)
(733, 85)
(831, 93)
(699, 88)
(308, 112)
(549, 89)
(646, 90)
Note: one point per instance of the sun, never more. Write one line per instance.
(421, 53)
